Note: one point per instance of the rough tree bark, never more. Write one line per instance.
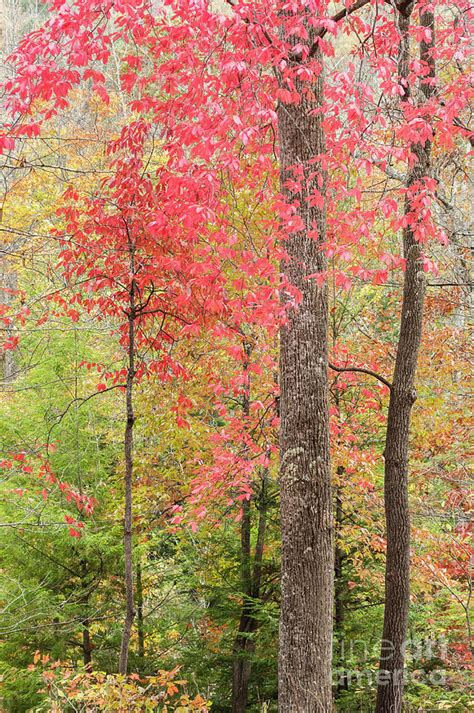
(305, 651)
(128, 482)
(402, 398)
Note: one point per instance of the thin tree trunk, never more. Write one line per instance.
(260, 544)
(307, 575)
(140, 622)
(128, 452)
(86, 644)
(244, 645)
(338, 572)
(339, 589)
(86, 623)
(8, 284)
(402, 398)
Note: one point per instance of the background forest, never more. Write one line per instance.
(142, 362)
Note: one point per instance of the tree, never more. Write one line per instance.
(306, 498)
(231, 98)
(402, 392)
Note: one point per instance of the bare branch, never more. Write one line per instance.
(361, 370)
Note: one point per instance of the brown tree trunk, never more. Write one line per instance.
(128, 453)
(244, 645)
(140, 619)
(86, 645)
(305, 651)
(339, 590)
(402, 398)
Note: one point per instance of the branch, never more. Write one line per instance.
(403, 7)
(360, 370)
(450, 284)
(82, 400)
(383, 166)
(336, 18)
(24, 524)
(44, 554)
(470, 134)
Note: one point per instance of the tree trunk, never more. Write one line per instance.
(140, 622)
(306, 505)
(128, 452)
(339, 591)
(8, 284)
(402, 398)
(244, 645)
(86, 644)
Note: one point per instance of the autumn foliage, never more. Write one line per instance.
(168, 230)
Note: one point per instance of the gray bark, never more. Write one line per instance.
(402, 398)
(305, 651)
(128, 483)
